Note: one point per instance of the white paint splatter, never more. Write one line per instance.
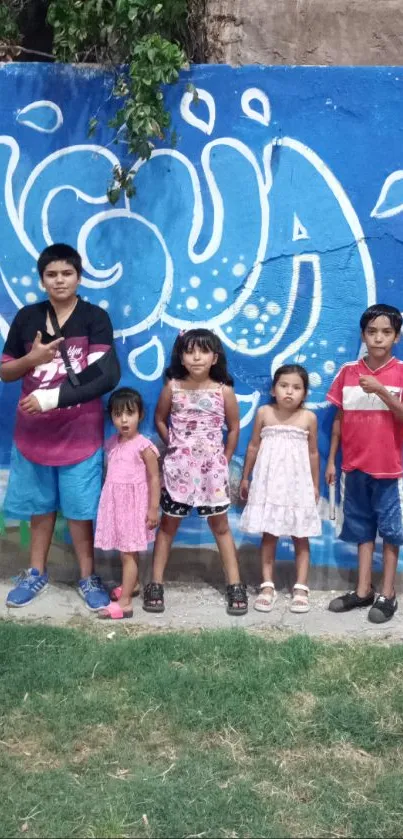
(329, 366)
(244, 331)
(31, 297)
(238, 269)
(126, 310)
(264, 318)
(273, 308)
(251, 311)
(194, 282)
(315, 379)
(192, 303)
(220, 294)
(26, 281)
(259, 327)
(242, 342)
(104, 304)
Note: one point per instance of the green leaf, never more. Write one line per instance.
(113, 194)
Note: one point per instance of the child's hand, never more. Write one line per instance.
(370, 384)
(152, 518)
(43, 353)
(244, 489)
(30, 405)
(330, 474)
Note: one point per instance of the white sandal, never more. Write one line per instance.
(299, 602)
(265, 602)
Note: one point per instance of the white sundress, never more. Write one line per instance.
(281, 496)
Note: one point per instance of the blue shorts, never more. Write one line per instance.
(34, 490)
(371, 505)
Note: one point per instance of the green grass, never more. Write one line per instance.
(217, 734)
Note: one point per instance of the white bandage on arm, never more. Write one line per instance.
(48, 399)
(94, 356)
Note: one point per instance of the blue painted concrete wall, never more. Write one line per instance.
(275, 221)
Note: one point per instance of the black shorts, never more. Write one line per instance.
(180, 510)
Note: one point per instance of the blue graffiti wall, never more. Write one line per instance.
(275, 220)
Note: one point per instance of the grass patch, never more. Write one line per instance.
(216, 734)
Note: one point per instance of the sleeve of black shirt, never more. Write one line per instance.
(102, 375)
(14, 346)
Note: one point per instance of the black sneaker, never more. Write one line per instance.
(383, 609)
(349, 601)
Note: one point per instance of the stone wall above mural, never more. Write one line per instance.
(366, 32)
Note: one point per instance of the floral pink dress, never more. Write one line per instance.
(195, 469)
(122, 511)
(281, 496)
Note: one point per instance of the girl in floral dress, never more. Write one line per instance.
(196, 401)
(283, 495)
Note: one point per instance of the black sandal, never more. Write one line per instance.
(237, 599)
(154, 598)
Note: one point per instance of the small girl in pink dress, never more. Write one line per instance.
(284, 492)
(128, 509)
(193, 407)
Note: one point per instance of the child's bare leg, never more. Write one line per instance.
(365, 553)
(301, 547)
(300, 594)
(390, 557)
(41, 536)
(130, 573)
(267, 595)
(220, 529)
(163, 542)
(82, 536)
(268, 558)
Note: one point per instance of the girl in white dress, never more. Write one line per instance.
(282, 497)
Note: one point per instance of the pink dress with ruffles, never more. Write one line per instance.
(122, 512)
(281, 496)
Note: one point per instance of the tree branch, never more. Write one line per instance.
(17, 49)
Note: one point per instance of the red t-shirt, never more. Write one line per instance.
(63, 436)
(371, 436)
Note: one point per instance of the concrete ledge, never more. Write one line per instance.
(197, 566)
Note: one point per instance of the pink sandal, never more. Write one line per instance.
(116, 593)
(114, 612)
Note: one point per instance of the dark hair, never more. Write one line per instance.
(207, 341)
(382, 309)
(64, 253)
(292, 368)
(125, 399)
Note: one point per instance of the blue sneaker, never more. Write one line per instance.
(29, 585)
(93, 593)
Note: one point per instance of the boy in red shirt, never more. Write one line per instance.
(60, 349)
(369, 424)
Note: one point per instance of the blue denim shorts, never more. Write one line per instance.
(370, 506)
(34, 490)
